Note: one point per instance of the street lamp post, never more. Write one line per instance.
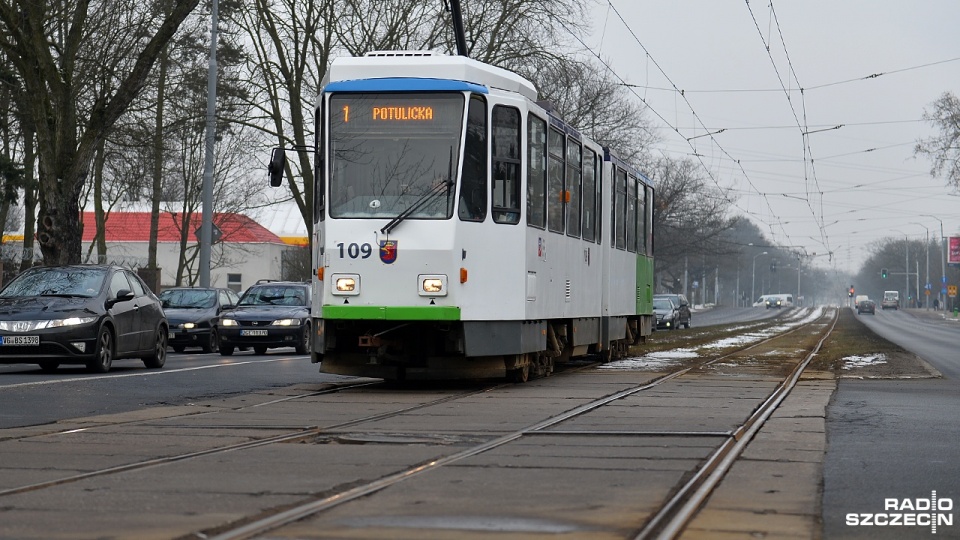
(943, 262)
(753, 278)
(927, 283)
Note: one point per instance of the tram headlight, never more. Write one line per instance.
(432, 284)
(346, 284)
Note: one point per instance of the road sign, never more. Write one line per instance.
(215, 234)
(952, 291)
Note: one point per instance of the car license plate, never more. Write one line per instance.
(253, 332)
(19, 340)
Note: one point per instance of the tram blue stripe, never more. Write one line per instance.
(405, 84)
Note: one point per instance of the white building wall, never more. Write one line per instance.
(253, 261)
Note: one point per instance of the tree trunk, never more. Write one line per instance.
(100, 240)
(29, 196)
(157, 190)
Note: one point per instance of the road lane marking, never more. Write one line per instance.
(142, 374)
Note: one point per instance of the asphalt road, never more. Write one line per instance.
(896, 439)
(30, 397)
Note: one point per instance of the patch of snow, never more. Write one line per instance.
(850, 362)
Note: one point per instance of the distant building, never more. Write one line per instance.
(243, 252)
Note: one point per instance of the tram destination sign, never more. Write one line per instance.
(376, 111)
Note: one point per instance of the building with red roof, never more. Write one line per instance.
(243, 251)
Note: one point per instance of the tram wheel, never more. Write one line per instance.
(520, 375)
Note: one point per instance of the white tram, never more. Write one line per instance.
(463, 230)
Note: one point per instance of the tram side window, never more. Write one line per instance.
(572, 194)
(536, 172)
(473, 183)
(620, 210)
(649, 219)
(555, 193)
(506, 164)
(631, 214)
(589, 195)
(319, 166)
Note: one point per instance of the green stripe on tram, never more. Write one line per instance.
(391, 313)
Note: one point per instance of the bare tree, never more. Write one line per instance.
(81, 73)
(943, 149)
(689, 217)
(290, 43)
(589, 98)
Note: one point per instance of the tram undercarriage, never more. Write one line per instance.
(443, 350)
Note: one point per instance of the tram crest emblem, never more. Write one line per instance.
(388, 251)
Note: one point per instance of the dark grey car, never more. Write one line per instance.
(274, 314)
(194, 315)
(683, 308)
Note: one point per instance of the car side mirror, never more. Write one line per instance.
(278, 161)
(123, 295)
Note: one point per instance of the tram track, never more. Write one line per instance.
(667, 522)
(270, 520)
(295, 434)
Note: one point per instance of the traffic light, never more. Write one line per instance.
(850, 292)
(883, 273)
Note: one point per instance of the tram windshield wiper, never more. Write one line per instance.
(444, 185)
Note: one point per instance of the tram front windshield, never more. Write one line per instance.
(391, 151)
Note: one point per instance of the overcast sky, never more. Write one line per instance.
(716, 52)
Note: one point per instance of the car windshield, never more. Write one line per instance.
(662, 304)
(56, 282)
(274, 296)
(188, 298)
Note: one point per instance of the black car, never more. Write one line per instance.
(667, 313)
(273, 314)
(80, 314)
(194, 315)
(867, 306)
(682, 305)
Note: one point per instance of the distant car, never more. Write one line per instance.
(194, 315)
(667, 313)
(867, 306)
(778, 301)
(80, 314)
(683, 307)
(268, 315)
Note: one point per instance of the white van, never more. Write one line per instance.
(891, 299)
(860, 298)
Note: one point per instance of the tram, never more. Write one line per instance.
(464, 230)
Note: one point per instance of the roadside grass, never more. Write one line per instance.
(853, 338)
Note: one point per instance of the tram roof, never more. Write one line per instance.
(427, 65)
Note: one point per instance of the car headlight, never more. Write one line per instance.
(286, 322)
(188, 325)
(228, 322)
(60, 323)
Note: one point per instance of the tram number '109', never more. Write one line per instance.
(355, 251)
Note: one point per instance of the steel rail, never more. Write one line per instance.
(296, 513)
(686, 502)
(297, 434)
